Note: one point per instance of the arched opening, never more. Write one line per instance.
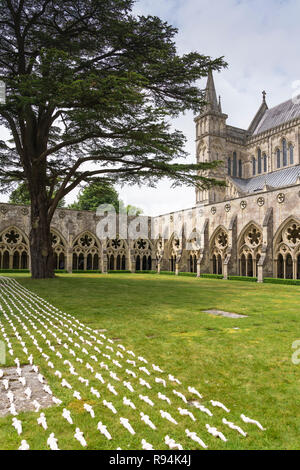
(220, 264)
(172, 263)
(6, 260)
(24, 260)
(298, 266)
(89, 262)
(191, 263)
(81, 262)
(138, 263)
(123, 265)
(214, 264)
(61, 261)
(280, 266)
(145, 263)
(249, 265)
(243, 265)
(96, 262)
(149, 263)
(118, 268)
(16, 260)
(111, 262)
(289, 267)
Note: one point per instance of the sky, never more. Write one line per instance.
(260, 41)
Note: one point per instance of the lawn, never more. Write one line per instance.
(244, 363)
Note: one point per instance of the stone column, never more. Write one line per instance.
(69, 260)
(198, 267)
(260, 274)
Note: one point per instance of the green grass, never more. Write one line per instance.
(249, 369)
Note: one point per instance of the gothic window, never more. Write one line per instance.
(86, 253)
(234, 167)
(278, 158)
(116, 254)
(240, 169)
(291, 152)
(250, 251)
(265, 163)
(253, 166)
(14, 249)
(284, 153)
(259, 165)
(59, 250)
(229, 166)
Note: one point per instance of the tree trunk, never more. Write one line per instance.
(42, 262)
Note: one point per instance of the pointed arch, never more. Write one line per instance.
(14, 248)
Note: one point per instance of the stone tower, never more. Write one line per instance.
(211, 141)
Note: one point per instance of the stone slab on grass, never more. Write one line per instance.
(16, 387)
(224, 314)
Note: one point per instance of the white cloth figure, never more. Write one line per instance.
(10, 396)
(95, 392)
(80, 438)
(128, 385)
(77, 395)
(252, 421)
(143, 382)
(128, 402)
(219, 405)
(130, 372)
(180, 395)
(28, 393)
(112, 389)
(163, 397)
(203, 409)
(66, 384)
(110, 406)
(114, 376)
(17, 425)
(185, 412)
(127, 425)
(99, 377)
(37, 405)
(146, 445)
(89, 409)
(144, 369)
(172, 444)
(146, 399)
(5, 383)
(195, 392)
(156, 368)
(24, 445)
(233, 426)
(1, 373)
(42, 421)
(147, 420)
(166, 415)
(12, 410)
(58, 374)
(67, 415)
(131, 353)
(194, 437)
(142, 359)
(52, 442)
(103, 430)
(160, 381)
(172, 379)
(215, 432)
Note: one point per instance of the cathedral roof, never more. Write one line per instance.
(278, 115)
(276, 179)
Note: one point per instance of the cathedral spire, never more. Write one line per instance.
(211, 95)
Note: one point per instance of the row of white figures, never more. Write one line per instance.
(171, 378)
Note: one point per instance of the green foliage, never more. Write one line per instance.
(123, 271)
(14, 271)
(293, 282)
(21, 195)
(242, 278)
(91, 83)
(90, 271)
(95, 194)
(212, 276)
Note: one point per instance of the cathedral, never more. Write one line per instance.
(250, 227)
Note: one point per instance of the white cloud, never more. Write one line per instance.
(260, 41)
